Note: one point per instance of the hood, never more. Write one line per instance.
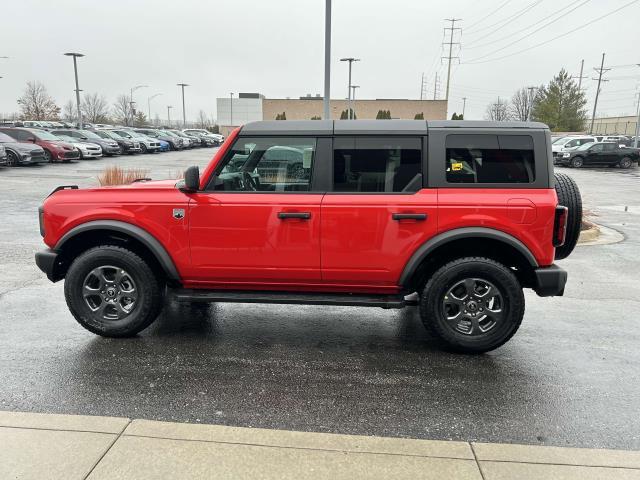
(157, 184)
(61, 143)
(23, 147)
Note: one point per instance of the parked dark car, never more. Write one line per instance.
(602, 153)
(55, 150)
(201, 140)
(109, 147)
(21, 153)
(126, 145)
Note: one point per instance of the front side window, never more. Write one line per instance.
(490, 159)
(267, 164)
(377, 164)
(596, 148)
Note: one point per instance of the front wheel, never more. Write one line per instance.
(472, 305)
(47, 156)
(143, 148)
(12, 159)
(113, 292)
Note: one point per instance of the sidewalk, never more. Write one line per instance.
(69, 447)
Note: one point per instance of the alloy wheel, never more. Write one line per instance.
(473, 306)
(109, 292)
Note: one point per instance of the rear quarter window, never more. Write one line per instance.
(489, 159)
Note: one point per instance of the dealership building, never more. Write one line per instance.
(250, 107)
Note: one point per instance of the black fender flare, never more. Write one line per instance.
(144, 237)
(459, 233)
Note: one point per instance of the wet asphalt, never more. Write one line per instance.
(569, 377)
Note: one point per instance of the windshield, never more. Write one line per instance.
(89, 134)
(585, 146)
(42, 135)
(123, 134)
(66, 138)
(171, 134)
(104, 135)
(561, 140)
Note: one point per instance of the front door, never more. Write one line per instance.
(377, 214)
(257, 224)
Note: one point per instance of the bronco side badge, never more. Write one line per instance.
(178, 213)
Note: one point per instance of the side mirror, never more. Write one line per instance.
(191, 180)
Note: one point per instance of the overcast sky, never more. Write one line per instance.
(276, 48)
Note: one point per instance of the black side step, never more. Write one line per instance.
(295, 298)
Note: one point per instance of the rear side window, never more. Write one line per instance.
(377, 164)
(490, 159)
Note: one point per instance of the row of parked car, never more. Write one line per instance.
(581, 150)
(25, 145)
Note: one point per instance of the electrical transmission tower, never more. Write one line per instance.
(423, 88)
(451, 43)
(436, 87)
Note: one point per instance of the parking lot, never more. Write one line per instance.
(569, 376)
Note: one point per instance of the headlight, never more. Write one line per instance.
(128, 143)
(566, 155)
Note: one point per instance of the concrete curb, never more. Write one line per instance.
(79, 447)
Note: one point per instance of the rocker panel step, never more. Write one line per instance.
(290, 298)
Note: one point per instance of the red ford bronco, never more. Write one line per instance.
(363, 213)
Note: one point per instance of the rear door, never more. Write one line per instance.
(257, 225)
(377, 212)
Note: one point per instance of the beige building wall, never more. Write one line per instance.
(614, 125)
(296, 109)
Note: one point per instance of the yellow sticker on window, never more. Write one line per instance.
(456, 167)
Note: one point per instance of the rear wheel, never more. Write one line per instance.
(472, 305)
(569, 196)
(625, 162)
(113, 292)
(12, 159)
(47, 156)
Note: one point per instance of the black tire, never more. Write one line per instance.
(625, 162)
(47, 156)
(143, 148)
(12, 159)
(577, 162)
(569, 196)
(149, 291)
(500, 327)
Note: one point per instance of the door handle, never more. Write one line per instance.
(409, 216)
(299, 215)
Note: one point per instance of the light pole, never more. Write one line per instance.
(231, 108)
(350, 60)
(169, 107)
(75, 71)
(149, 103)
(353, 97)
(327, 61)
(184, 117)
(131, 102)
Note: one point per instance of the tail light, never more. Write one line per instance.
(560, 226)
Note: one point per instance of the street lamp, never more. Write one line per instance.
(184, 117)
(350, 60)
(353, 96)
(149, 103)
(75, 71)
(131, 102)
(231, 109)
(169, 107)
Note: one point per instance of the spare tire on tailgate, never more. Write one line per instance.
(569, 196)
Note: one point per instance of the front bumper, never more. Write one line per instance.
(550, 281)
(4, 160)
(49, 262)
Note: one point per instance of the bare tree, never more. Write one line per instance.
(498, 111)
(522, 104)
(122, 109)
(36, 104)
(94, 108)
(203, 120)
(69, 111)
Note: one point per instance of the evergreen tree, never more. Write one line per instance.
(454, 116)
(561, 104)
(419, 116)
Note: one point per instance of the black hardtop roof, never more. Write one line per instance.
(372, 127)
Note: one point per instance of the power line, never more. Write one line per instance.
(533, 25)
(488, 14)
(584, 25)
(507, 19)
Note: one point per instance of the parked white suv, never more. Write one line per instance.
(568, 144)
